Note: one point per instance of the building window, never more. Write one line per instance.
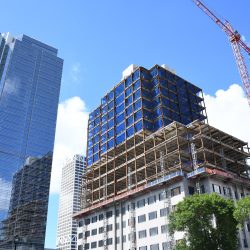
(164, 229)
(80, 235)
(117, 226)
(93, 244)
(216, 188)
(80, 247)
(151, 199)
(123, 224)
(87, 233)
(141, 218)
(100, 230)
(86, 245)
(154, 247)
(142, 234)
(109, 227)
(191, 190)
(165, 246)
(123, 210)
(152, 215)
(117, 212)
(164, 212)
(162, 196)
(141, 203)
(94, 219)
(109, 214)
(143, 248)
(153, 231)
(87, 221)
(100, 243)
(117, 240)
(175, 191)
(94, 232)
(100, 216)
(109, 241)
(80, 224)
(227, 191)
(124, 238)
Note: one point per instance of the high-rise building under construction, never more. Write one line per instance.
(149, 146)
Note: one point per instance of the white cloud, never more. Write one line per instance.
(228, 110)
(76, 72)
(70, 139)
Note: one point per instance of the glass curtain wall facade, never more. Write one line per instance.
(146, 100)
(30, 79)
(29, 203)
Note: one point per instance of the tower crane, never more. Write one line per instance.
(237, 45)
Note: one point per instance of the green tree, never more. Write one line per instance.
(242, 211)
(208, 222)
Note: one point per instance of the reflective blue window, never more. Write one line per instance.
(147, 104)
(119, 89)
(129, 91)
(119, 99)
(154, 72)
(96, 157)
(104, 109)
(97, 121)
(96, 148)
(129, 110)
(104, 118)
(110, 133)
(103, 138)
(111, 96)
(148, 125)
(111, 123)
(128, 81)
(144, 74)
(111, 143)
(104, 128)
(104, 100)
(137, 105)
(120, 139)
(138, 126)
(120, 108)
(136, 75)
(155, 82)
(147, 114)
(129, 121)
(96, 139)
(119, 118)
(129, 100)
(137, 85)
(110, 114)
(138, 115)
(162, 72)
(120, 128)
(137, 94)
(130, 131)
(147, 94)
(103, 148)
(111, 105)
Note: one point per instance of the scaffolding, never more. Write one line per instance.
(137, 161)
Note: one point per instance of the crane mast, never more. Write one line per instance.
(236, 43)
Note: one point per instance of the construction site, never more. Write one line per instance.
(137, 161)
(161, 162)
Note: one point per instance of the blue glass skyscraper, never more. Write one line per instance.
(145, 100)
(30, 79)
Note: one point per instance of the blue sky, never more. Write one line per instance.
(99, 39)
